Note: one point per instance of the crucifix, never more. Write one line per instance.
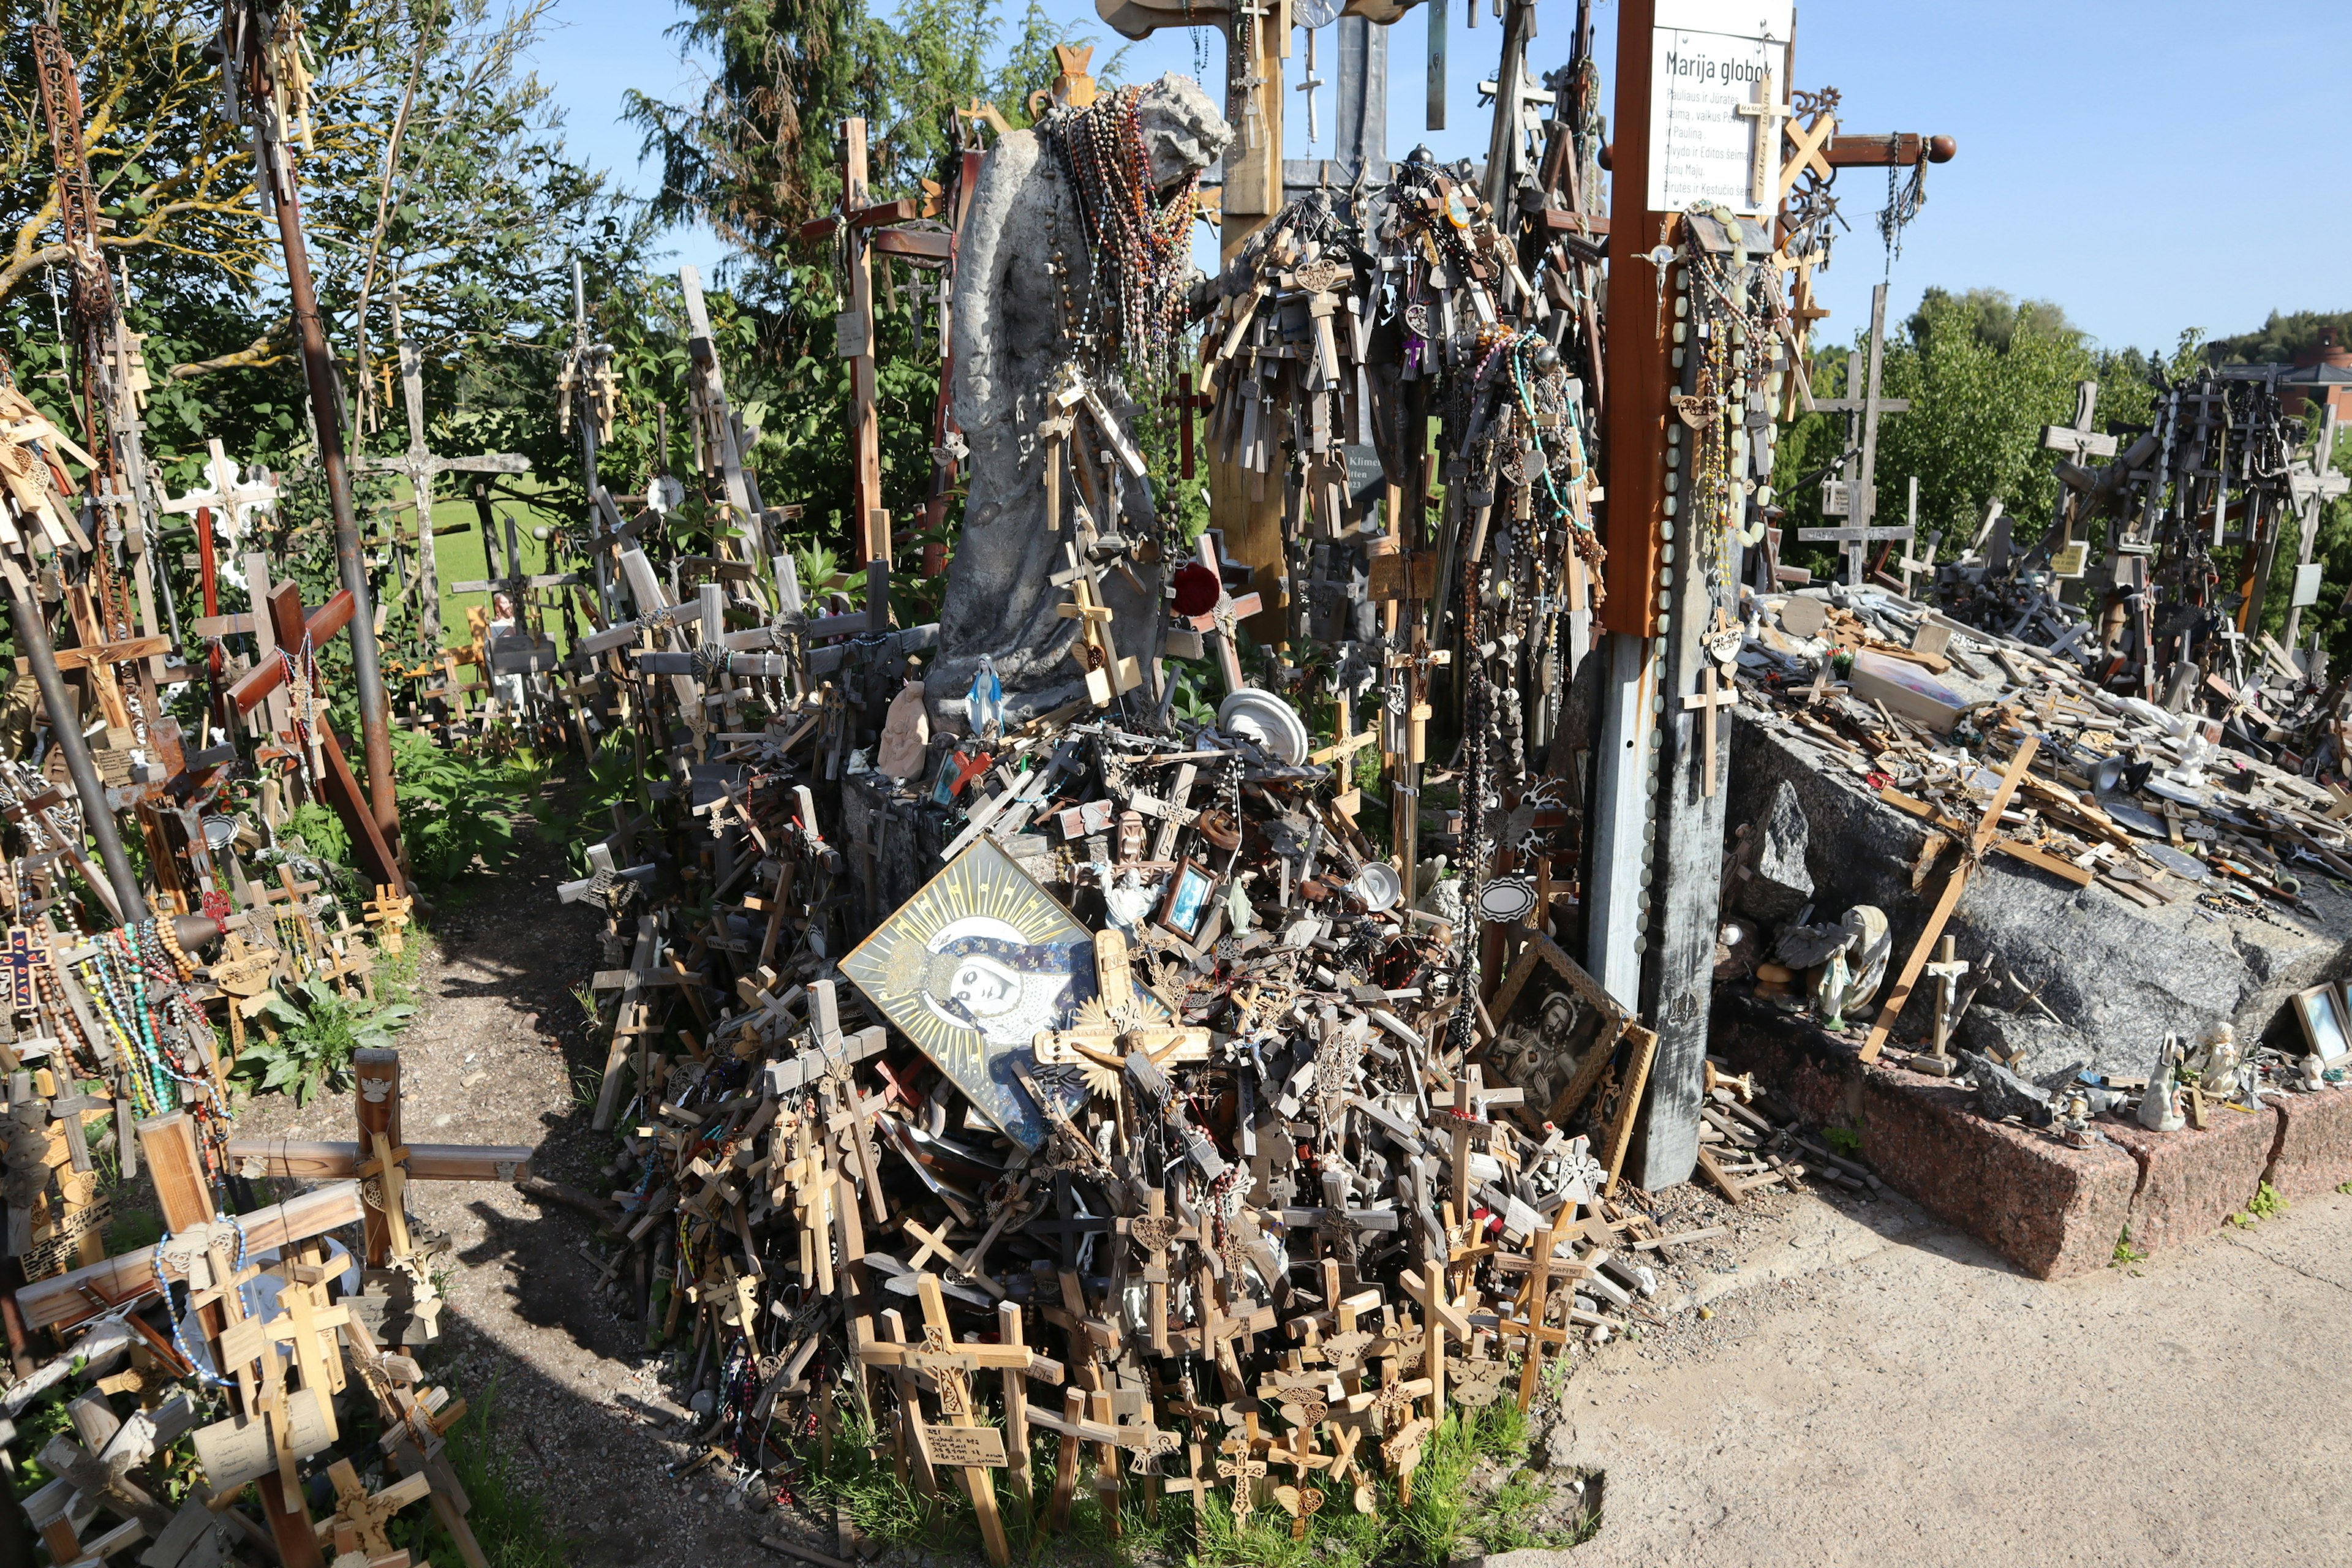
(1946, 974)
(223, 508)
(421, 468)
(1854, 496)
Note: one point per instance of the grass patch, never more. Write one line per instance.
(1447, 1518)
(510, 1522)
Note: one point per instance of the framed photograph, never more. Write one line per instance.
(1186, 908)
(2323, 1015)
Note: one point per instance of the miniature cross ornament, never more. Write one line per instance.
(1710, 696)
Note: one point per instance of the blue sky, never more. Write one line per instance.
(2149, 166)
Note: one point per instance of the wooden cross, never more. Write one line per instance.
(1124, 1027)
(421, 468)
(1770, 114)
(388, 911)
(1186, 403)
(1854, 496)
(1535, 1297)
(359, 1522)
(342, 787)
(414, 1426)
(377, 1104)
(1955, 883)
(950, 1365)
(1706, 699)
(1218, 621)
(169, 1143)
(2312, 483)
(1245, 1471)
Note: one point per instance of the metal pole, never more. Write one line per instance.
(33, 637)
(367, 671)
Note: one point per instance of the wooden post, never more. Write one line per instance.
(169, 1143)
(873, 536)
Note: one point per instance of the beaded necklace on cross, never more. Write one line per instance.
(1135, 239)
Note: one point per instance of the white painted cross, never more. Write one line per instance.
(233, 501)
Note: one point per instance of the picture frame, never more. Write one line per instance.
(1191, 892)
(2326, 1021)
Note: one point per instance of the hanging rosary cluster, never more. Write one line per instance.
(1137, 251)
(1727, 357)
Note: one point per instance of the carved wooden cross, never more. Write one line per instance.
(360, 1518)
(1770, 114)
(1245, 1471)
(1121, 1026)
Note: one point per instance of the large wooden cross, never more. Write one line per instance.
(2312, 483)
(169, 1144)
(1955, 884)
(342, 788)
(1854, 496)
(377, 1105)
(421, 468)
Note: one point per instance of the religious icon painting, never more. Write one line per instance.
(972, 969)
(1186, 908)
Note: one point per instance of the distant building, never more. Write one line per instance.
(2322, 377)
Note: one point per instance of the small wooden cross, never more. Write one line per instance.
(1707, 699)
(360, 1518)
(1245, 1471)
(388, 910)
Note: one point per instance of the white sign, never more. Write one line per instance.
(1706, 58)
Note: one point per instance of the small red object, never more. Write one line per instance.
(1198, 589)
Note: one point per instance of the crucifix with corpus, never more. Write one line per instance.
(421, 468)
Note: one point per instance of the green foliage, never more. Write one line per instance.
(2281, 339)
(318, 1031)
(321, 832)
(1846, 1141)
(1446, 1518)
(2126, 1254)
(458, 807)
(510, 1523)
(2268, 1202)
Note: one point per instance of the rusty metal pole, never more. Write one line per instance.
(319, 370)
(33, 638)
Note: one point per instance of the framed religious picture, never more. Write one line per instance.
(972, 969)
(1186, 908)
(2325, 1028)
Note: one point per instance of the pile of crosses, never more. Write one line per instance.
(220, 1359)
(2120, 720)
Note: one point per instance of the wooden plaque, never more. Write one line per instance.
(965, 1446)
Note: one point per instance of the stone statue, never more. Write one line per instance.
(1023, 273)
(2159, 1106)
(2217, 1061)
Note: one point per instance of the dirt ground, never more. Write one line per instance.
(1866, 1386)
